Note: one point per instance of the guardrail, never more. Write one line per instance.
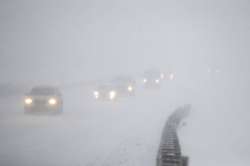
(169, 153)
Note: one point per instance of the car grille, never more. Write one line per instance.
(40, 102)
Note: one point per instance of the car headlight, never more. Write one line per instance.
(162, 76)
(145, 80)
(112, 94)
(171, 76)
(96, 94)
(52, 101)
(28, 101)
(130, 88)
(157, 81)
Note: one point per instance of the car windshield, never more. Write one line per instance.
(46, 91)
(105, 88)
(122, 82)
(152, 74)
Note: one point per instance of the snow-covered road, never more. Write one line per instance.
(127, 132)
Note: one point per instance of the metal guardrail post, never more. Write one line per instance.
(169, 153)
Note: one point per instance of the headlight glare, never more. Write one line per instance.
(28, 101)
(171, 76)
(130, 88)
(52, 101)
(96, 94)
(112, 94)
(162, 76)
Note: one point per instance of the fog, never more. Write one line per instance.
(74, 44)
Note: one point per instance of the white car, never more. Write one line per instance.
(152, 78)
(43, 99)
(106, 92)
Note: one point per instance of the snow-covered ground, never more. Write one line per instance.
(124, 133)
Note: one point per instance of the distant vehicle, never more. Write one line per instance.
(125, 85)
(152, 78)
(106, 92)
(171, 76)
(43, 99)
(122, 86)
(167, 75)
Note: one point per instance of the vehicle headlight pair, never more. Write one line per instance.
(157, 81)
(112, 94)
(29, 101)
